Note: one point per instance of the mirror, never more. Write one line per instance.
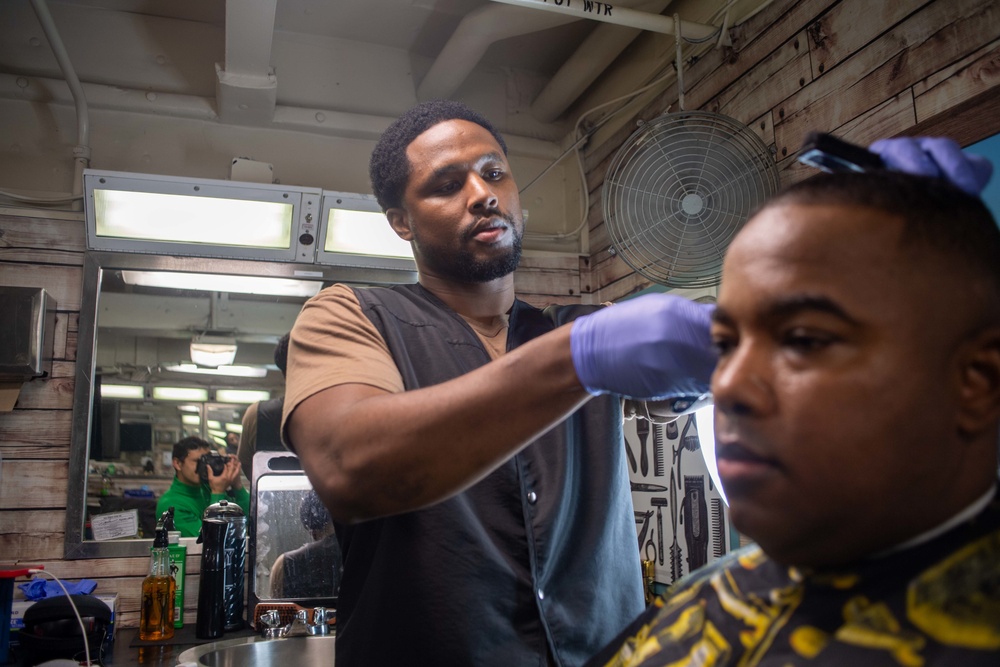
(135, 341)
(294, 553)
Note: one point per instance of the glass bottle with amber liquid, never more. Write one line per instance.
(156, 616)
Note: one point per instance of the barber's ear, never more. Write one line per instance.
(400, 223)
(980, 384)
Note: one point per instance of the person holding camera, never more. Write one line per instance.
(202, 477)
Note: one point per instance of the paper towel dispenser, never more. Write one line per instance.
(27, 333)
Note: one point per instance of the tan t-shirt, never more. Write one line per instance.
(334, 343)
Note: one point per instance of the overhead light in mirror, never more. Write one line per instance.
(180, 394)
(230, 371)
(213, 423)
(133, 391)
(189, 408)
(191, 420)
(213, 282)
(211, 350)
(241, 395)
(234, 428)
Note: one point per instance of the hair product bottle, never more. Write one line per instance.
(178, 555)
(156, 616)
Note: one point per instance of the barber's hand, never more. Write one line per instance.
(937, 157)
(651, 347)
(228, 478)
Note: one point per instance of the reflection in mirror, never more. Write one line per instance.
(144, 380)
(294, 553)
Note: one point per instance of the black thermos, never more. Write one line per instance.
(234, 547)
(212, 590)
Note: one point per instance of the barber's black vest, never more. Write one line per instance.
(538, 557)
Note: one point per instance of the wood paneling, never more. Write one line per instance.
(862, 69)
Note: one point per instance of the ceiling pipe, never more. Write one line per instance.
(474, 35)
(81, 152)
(631, 18)
(581, 69)
(246, 86)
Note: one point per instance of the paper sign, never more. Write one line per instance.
(8, 395)
(115, 525)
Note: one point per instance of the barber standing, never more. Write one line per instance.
(455, 433)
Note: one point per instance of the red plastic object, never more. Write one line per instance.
(22, 571)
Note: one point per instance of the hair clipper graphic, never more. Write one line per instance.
(694, 516)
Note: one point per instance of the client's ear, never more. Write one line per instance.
(979, 383)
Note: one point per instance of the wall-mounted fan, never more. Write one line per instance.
(679, 189)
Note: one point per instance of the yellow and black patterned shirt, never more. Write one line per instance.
(937, 603)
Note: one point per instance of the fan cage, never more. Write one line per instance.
(679, 189)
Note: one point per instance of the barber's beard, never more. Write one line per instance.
(463, 266)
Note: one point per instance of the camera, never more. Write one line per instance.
(215, 461)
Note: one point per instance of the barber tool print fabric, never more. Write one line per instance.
(681, 520)
(934, 604)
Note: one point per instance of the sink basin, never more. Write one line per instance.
(305, 651)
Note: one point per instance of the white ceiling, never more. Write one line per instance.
(180, 87)
(368, 57)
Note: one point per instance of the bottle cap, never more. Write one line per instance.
(160, 541)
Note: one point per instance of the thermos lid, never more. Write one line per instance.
(223, 510)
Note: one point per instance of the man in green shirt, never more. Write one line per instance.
(190, 495)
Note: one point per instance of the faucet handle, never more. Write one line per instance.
(271, 618)
(320, 620)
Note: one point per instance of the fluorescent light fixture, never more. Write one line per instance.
(134, 391)
(219, 440)
(189, 408)
(364, 233)
(234, 428)
(214, 282)
(231, 371)
(704, 421)
(200, 217)
(179, 218)
(209, 350)
(241, 395)
(191, 420)
(355, 232)
(213, 423)
(180, 394)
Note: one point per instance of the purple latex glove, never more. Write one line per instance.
(652, 347)
(937, 157)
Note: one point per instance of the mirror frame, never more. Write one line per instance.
(94, 263)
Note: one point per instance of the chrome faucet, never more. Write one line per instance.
(299, 627)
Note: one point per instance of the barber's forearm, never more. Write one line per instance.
(389, 453)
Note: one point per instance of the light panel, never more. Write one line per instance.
(130, 391)
(355, 232)
(191, 420)
(241, 395)
(180, 394)
(230, 371)
(215, 282)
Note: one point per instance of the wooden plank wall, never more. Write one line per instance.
(862, 69)
(35, 437)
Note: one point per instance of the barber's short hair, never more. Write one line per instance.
(189, 444)
(938, 216)
(389, 168)
(281, 353)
